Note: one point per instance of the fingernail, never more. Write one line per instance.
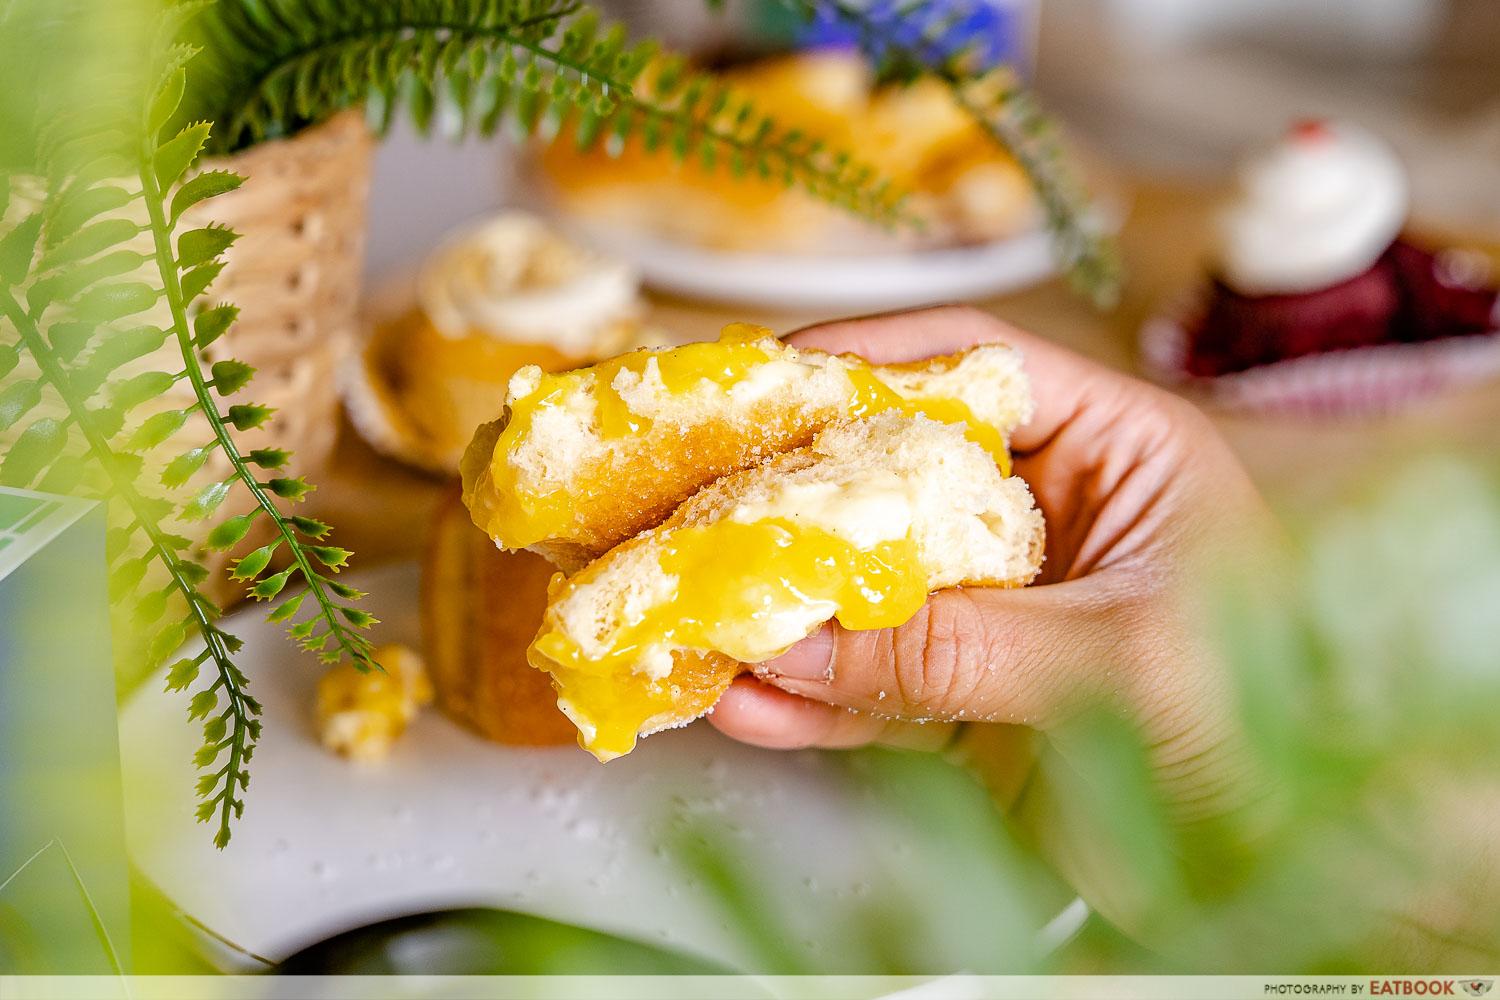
(809, 660)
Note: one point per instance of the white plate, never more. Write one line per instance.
(451, 820)
(829, 282)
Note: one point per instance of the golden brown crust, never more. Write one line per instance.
(699, 678)
(480, 609)
(642, 485)
(643, 479)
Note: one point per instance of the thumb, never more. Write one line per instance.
(1018, 656)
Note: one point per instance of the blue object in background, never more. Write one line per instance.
(991, 32)
(64, 890)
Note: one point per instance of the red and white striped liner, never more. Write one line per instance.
(1361, 381)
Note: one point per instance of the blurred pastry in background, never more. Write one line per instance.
(505, 293)
(481, 607)
(361, 713)
(963, 186)
(1324, 297)
(1312, 258)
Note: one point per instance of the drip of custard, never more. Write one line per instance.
(522, 517)
(747, 590)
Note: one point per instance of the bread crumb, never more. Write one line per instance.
(361, 714)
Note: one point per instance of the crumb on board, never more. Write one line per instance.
(361, 714)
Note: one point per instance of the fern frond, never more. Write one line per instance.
(96, 281)
(273, 67)
(1009, 114)
(908, 39)
(236, 727)
(187, 269)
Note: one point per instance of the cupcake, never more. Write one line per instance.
(1315, 286)
(503, 294)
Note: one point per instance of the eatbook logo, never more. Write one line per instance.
(1477, 987)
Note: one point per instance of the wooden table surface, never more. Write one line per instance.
(380, 509)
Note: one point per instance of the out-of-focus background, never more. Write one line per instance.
(1372, 679)
(1161, 98)
(1173, 87)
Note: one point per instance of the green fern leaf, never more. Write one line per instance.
(184, 466)
(32, 451)
(229, 532)
(89, 240)
(182, 286)
(208, 500)
(67, 283)
(358, 617)
(214, 730)
(127, 576)
(209, 325)
(199, 245)
(72, 475)
(208, 184)
(136, 390)
(182, 674)
(905, 46)
(155, 429)
(311, 527)
(17, 400)
(104, 303)
(167, 642)
(196, 281)
(272, 585)
(202, 703)
(149, 609)
(174, 156)
(230, 376)
(253, 564)
(167, 100)
(124, 346)
(345, 591)
(271, 458)
(287, 608)
(248, 416)
(69, 339)
(17, 249)
(289, 488)
(331, 555)
(88, 202)
(109, 421)
(195, 574)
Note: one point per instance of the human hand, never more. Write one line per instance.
(1142, 498)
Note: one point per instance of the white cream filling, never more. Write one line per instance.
(513, 278)
(771, 632)
(868, 508)
(1318, 208)
(646, 394)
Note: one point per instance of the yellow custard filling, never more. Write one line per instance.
(518, 517)
(747, 590)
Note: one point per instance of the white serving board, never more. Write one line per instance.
(451, 820)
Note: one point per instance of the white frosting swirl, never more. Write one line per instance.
(1317, 208)
(514, 278)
